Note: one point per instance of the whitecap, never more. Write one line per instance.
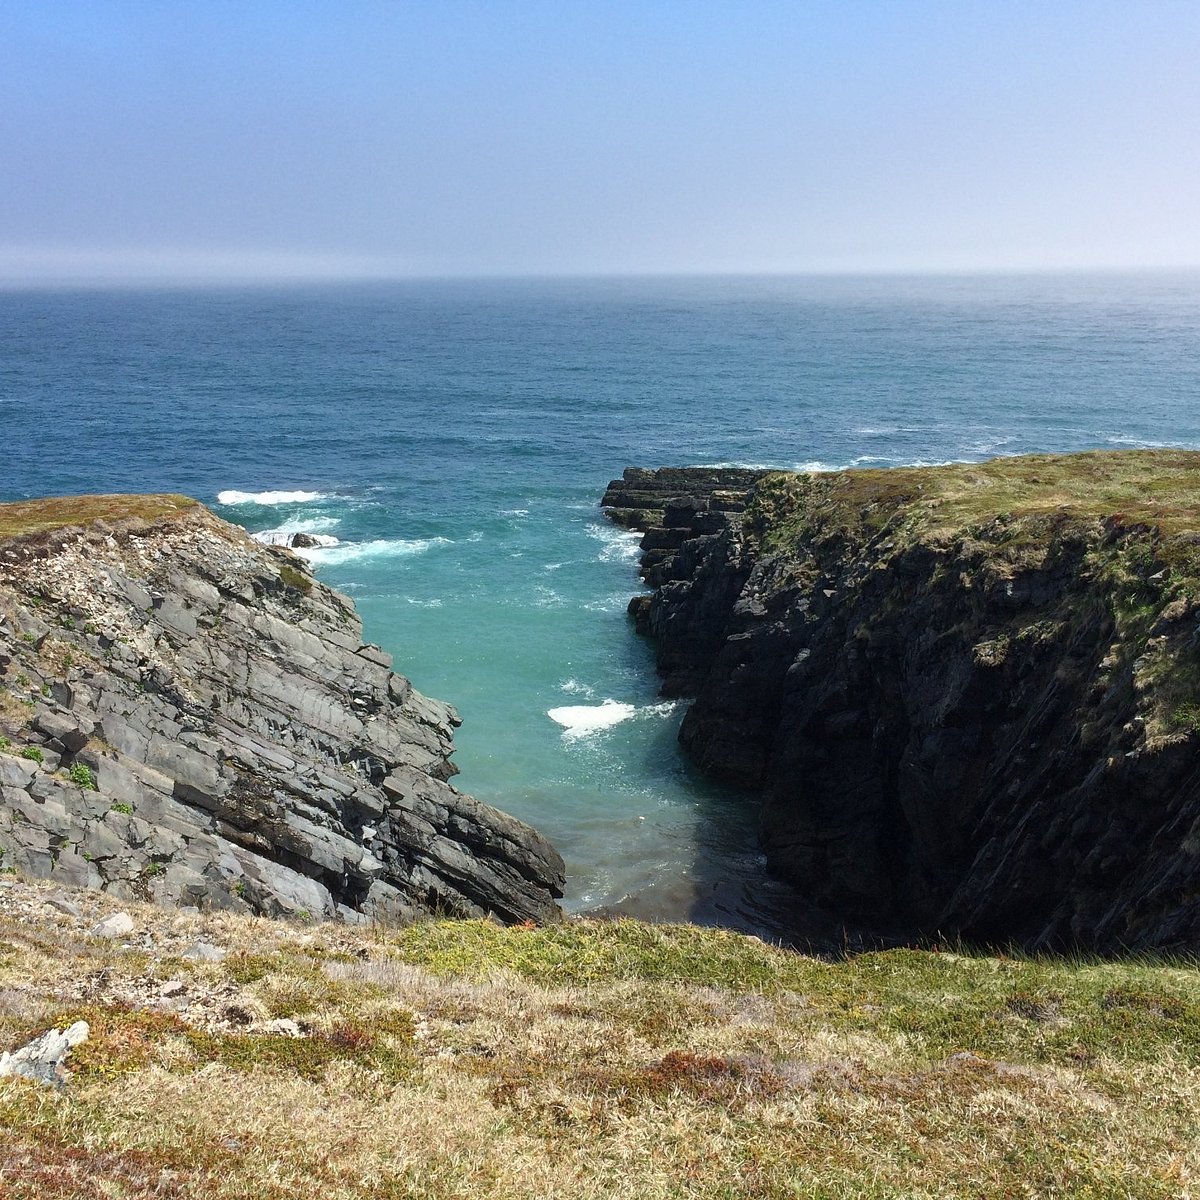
(514, 512)
(283, 537)
(580, 720)
(331, 556)
(620, 545)
(235, 497)
(574, 688)
(1137, 443)
(814, 466)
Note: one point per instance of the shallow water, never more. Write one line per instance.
(454, 438)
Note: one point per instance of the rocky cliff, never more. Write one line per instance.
(968, 696)
(187, 715)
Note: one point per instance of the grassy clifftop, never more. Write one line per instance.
(1136, 513)
(1156, 488)
(26, 517)
(605, 1060)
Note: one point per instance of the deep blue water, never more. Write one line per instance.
(455, 437)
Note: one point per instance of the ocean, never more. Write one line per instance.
(454, 437)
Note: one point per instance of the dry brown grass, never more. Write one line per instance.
(26, 517)
(596, 1060)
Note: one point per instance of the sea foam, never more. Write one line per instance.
(344, 552)
(579, 720)
(232, 497)
(619, 545)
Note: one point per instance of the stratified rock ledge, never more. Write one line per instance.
(191, 717)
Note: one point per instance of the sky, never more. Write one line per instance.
(160, 139)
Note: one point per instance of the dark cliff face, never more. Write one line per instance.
(186, 715)
(968, 696)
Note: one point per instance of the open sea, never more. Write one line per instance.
(455, 437)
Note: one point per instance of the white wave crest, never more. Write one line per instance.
(283, 537)
(580, 720)
(814, 466)
(235, 497)
(332, 556)
(619, 545)
(574, 688)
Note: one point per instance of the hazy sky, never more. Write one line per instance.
(261, 138)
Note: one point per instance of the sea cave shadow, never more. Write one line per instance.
(728, 884)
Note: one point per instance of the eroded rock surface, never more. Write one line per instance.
(192, 717)
(970, 700)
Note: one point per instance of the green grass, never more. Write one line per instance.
(1126, 523)
(591, 1061)
(58, 512)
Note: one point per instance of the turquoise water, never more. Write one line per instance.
(455, 438)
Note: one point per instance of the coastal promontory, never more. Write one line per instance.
(189, 716)
(967, 697)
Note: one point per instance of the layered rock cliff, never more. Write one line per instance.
(187, 715)
(968, 696)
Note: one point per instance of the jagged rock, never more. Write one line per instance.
(213, 732)
(971, 720)
(42, 1059)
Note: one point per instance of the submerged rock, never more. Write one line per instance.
(969, 697)
(190, 716)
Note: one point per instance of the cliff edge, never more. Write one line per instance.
(189, 716)
(969, 696)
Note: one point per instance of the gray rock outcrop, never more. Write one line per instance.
(189, 716)
(43, 1060)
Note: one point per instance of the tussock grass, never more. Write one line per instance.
(59, 512)
(593, 1059)
(1159, 488)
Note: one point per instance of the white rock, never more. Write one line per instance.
(118, 925)
(42, 1059)
(285, 1027)
(205, 952)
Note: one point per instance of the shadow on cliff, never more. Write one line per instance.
(727, 883)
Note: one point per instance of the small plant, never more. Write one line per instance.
(22, 680)
(153, 869)
(34, 754)
(81, 774)
(45, 689)
(68, 659)
(67, 622)
(28, 637)
(1186, 716)
(294, 578)
(121, 807)
(5, 743)
(90, 629)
